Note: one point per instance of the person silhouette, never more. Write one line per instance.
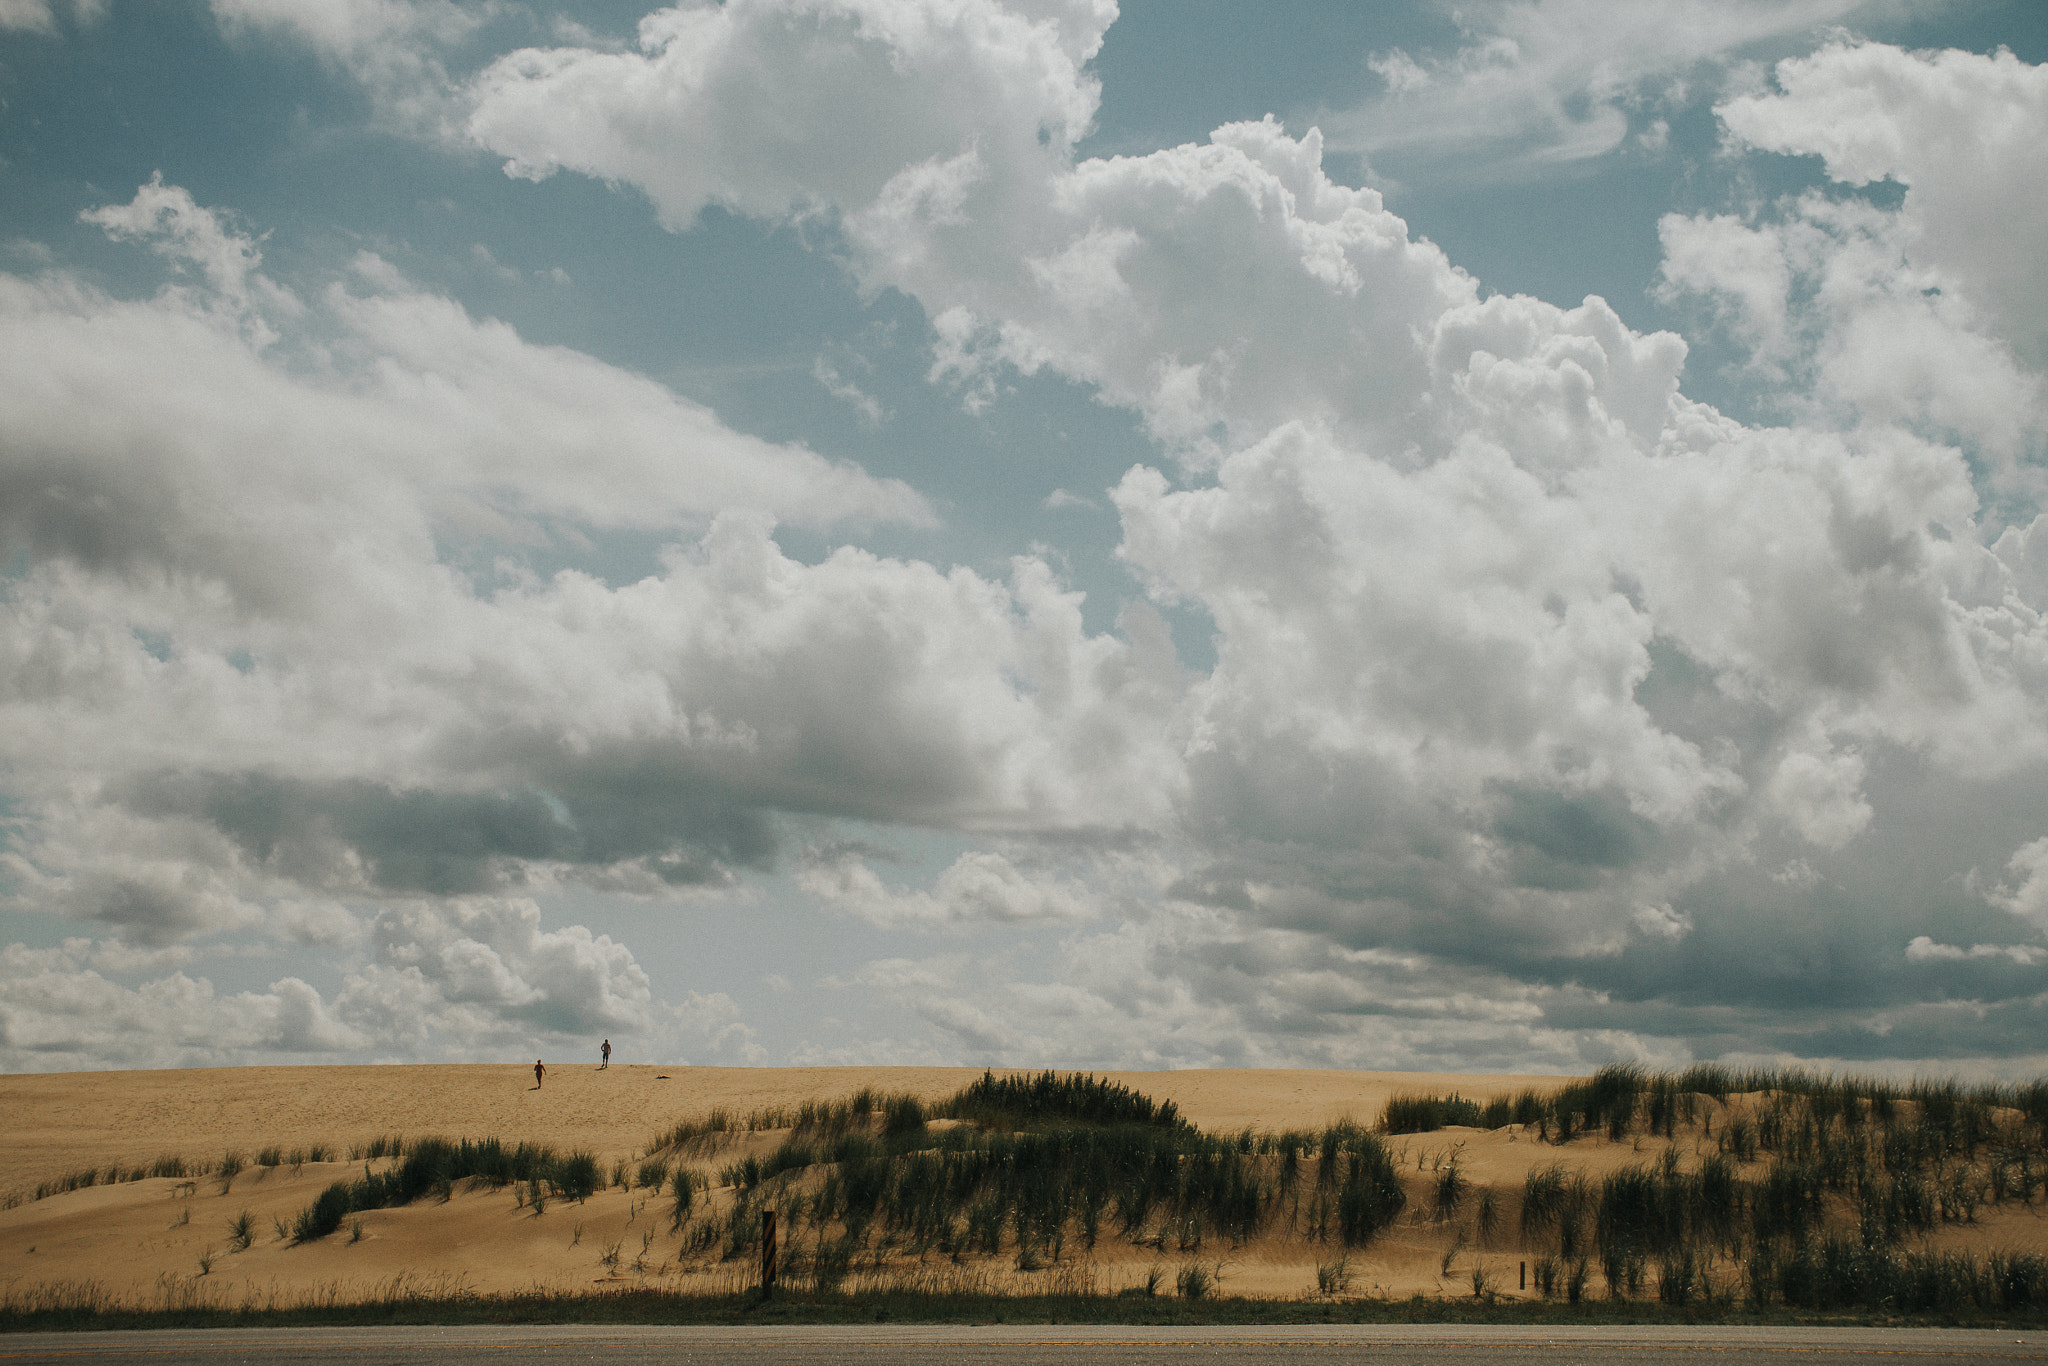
(607, 1056)
(539, 1070)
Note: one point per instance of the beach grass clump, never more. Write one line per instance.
(1020, 1100)
(1039, 1165)
(76, 1180)
(1526, 1108)
(1371, 1197)
(1423, 1114)
(383, 1146)
(434, 1165)
(699, 1136)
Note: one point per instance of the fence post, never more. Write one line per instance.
(767, 1253)
(1525, 1277)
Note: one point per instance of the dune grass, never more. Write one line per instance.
(1801, 1193)
(1809, 1196)
(432, 1166)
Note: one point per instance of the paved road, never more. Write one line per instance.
(1010, 1345)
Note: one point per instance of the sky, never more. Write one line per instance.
(1495, 536)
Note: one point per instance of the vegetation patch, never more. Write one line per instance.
(432, 1166)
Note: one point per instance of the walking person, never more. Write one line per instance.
(607, 1056)
(539, 1070)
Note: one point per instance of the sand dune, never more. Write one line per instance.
(168, 1240)
(138, 1238)
(57, 1122)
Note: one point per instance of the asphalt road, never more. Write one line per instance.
(1016, 1345)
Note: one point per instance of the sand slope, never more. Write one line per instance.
(167, 1241)
(52, 1123)
(166, 1237)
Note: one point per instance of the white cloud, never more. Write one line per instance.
(778, 106)
(1927, 315)
(979, 887)
(1967, 134)
(236, 577)
(1923, 949)
(351, 28)
(326, 923)
(57, 1012)
(2028, 900)
(465, 978)
(472, 969)
(111, 955)
(1661, 922)
(166, 217)
(1187, 990)
(846, 391)
(1538, 84)
(1836, 302)
(397, 48)
(40, 16)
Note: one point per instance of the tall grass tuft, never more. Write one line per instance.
(433, 1165)
(1016, 1101)
(1423, 1114)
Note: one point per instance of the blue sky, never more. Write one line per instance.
(1496, 536)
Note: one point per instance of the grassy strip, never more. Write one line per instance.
(1421, 1114)
(1012, 1102)
(180, 1167)
(655, 1307)
(1622, 1095)
(968, 1191)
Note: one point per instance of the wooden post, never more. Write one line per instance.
(767, 1252)
(1525, 1276)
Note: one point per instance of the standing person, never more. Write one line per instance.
(539, 1070)
(607, 1056)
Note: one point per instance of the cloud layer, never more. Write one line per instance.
(1554, 715)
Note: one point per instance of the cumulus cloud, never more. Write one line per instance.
(58, 1011)
(1962, 131)
(468, 969)
(462, 978)
(1520, 653)
(777, 106)
(1928, 314)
